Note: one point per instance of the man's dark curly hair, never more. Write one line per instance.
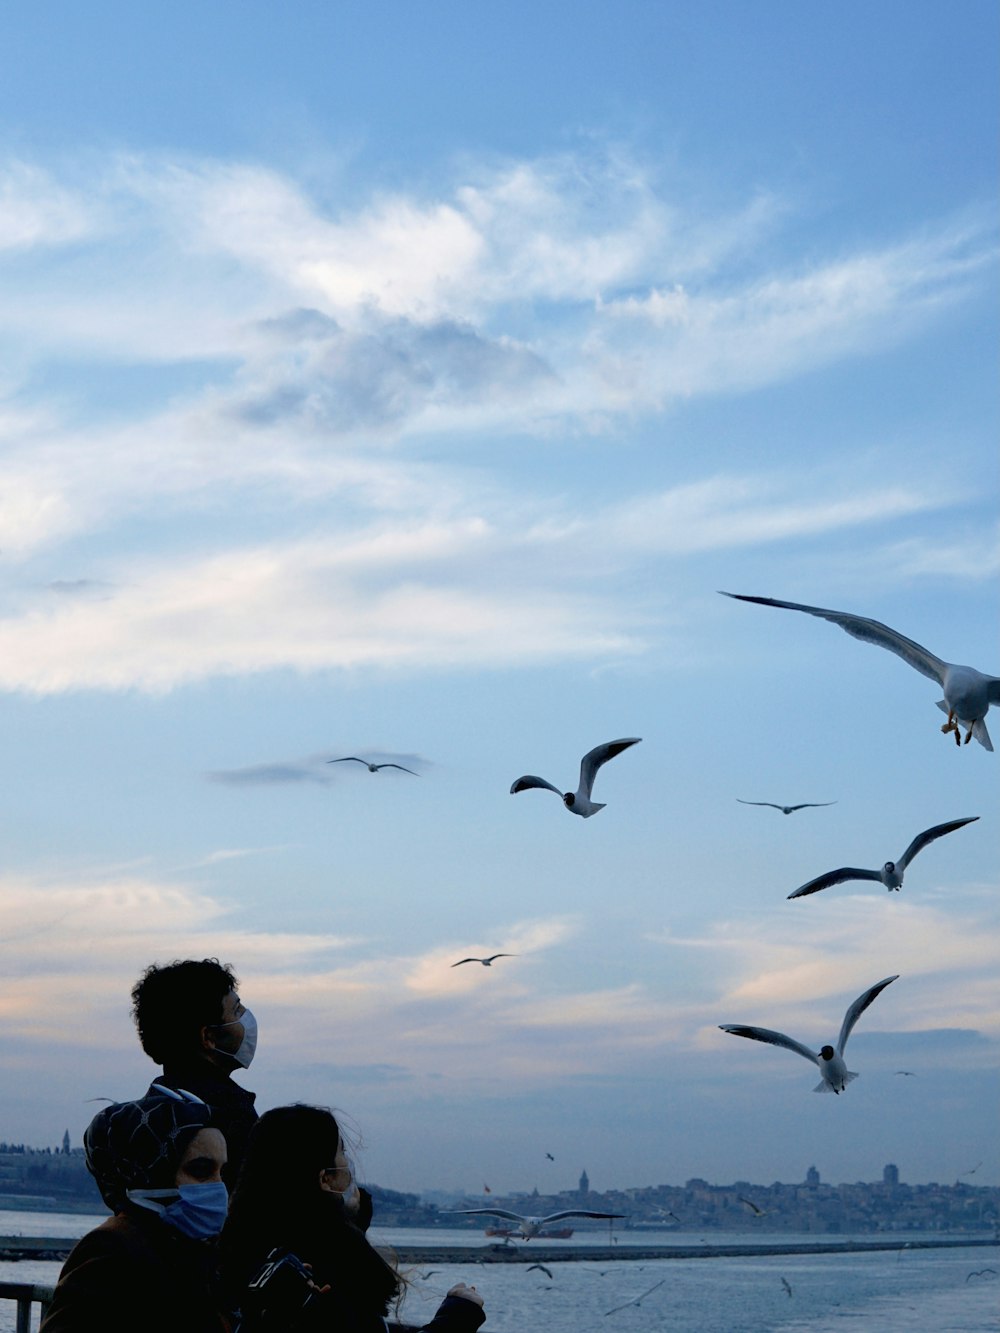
(172, 1004)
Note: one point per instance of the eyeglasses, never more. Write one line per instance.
(341, 1177)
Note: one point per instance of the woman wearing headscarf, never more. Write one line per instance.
(152, 1266)
(292, 1255)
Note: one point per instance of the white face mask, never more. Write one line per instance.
(244, 1054)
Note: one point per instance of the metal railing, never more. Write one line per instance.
(26, 1294)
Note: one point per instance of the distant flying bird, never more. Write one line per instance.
(907, 1073)
(430, 1273)
(638, 1300)
(981, 1272)
(757, 1212)
(784, 1283)
(541, 1269)
(830, 1060)
(550, 1157)
(372, 768)
(579, 802)
(486, 962)
(531, 1226)
(967, 693)
(970, 1173)
(788, 809)
(891, 874)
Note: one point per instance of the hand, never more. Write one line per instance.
(466, 1293)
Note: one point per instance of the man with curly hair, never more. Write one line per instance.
(192, 1023)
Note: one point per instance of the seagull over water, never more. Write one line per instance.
(486, 962)
(372, 768)
(891, 874)
(579, 802)
(830, 1059)
(531, 1226)
(788, 809)
(967, 693)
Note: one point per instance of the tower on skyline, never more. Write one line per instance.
(584, 1183)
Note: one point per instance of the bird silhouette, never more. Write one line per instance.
(891, 874)
(830, 1060)
(968, 693)
(372, 768)
(638, 1300)
(529, 1226)
(579, 802)
(788, 809)
(486, 962)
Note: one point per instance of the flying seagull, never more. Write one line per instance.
(579, 802)
(967, 692)
(486, 962)
(891, 874)
(789, 809)
(757, 1212)
(541, 1269)
(638, 1300)
(531, 1226)
(830, 1060)
(372, 768)
(785, 1284)
(550, 1157)
(907, 1073)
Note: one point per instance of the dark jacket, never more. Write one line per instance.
(360, 1283)
(134, 1272)
(232, 1108)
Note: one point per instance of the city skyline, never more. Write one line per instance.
(405, 383)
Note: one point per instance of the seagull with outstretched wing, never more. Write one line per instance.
(579, 802)
(372, 768)
(830, 1060)
(891, 874)
(531, 1226)
(788, 809)
(486, 962)
(967, 693)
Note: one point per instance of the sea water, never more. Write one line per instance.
(919, 1291)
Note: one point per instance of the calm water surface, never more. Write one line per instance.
(919, 1291)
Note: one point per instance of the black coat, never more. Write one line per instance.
(137, 1272)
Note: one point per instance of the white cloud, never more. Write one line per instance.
(35, 210)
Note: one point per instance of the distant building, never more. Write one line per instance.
(584, 1184)
(812, 1176)
(65, 1145)
(890, 1174)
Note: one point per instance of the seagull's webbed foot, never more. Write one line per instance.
(951, 725)
(968, 734)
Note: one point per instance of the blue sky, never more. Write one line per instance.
(405, 381)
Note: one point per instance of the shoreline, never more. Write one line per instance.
(16, 1248)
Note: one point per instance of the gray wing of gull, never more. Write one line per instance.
(528, 781)
(401, 769)
(858, 1008)
(491, 1212)
(772, 1039)
(769, 804)
(922, 839)
(835, 877)
(870, 631)
(599, 755)
(576, 1212)
(349, 759)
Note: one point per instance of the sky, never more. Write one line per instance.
(405, 381)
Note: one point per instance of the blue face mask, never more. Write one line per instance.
(198, 1211)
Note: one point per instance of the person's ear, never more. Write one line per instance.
(325, 1183)
(207, 1040)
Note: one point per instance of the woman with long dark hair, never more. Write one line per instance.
(292, 1256)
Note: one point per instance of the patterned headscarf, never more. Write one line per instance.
(139, 1145)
